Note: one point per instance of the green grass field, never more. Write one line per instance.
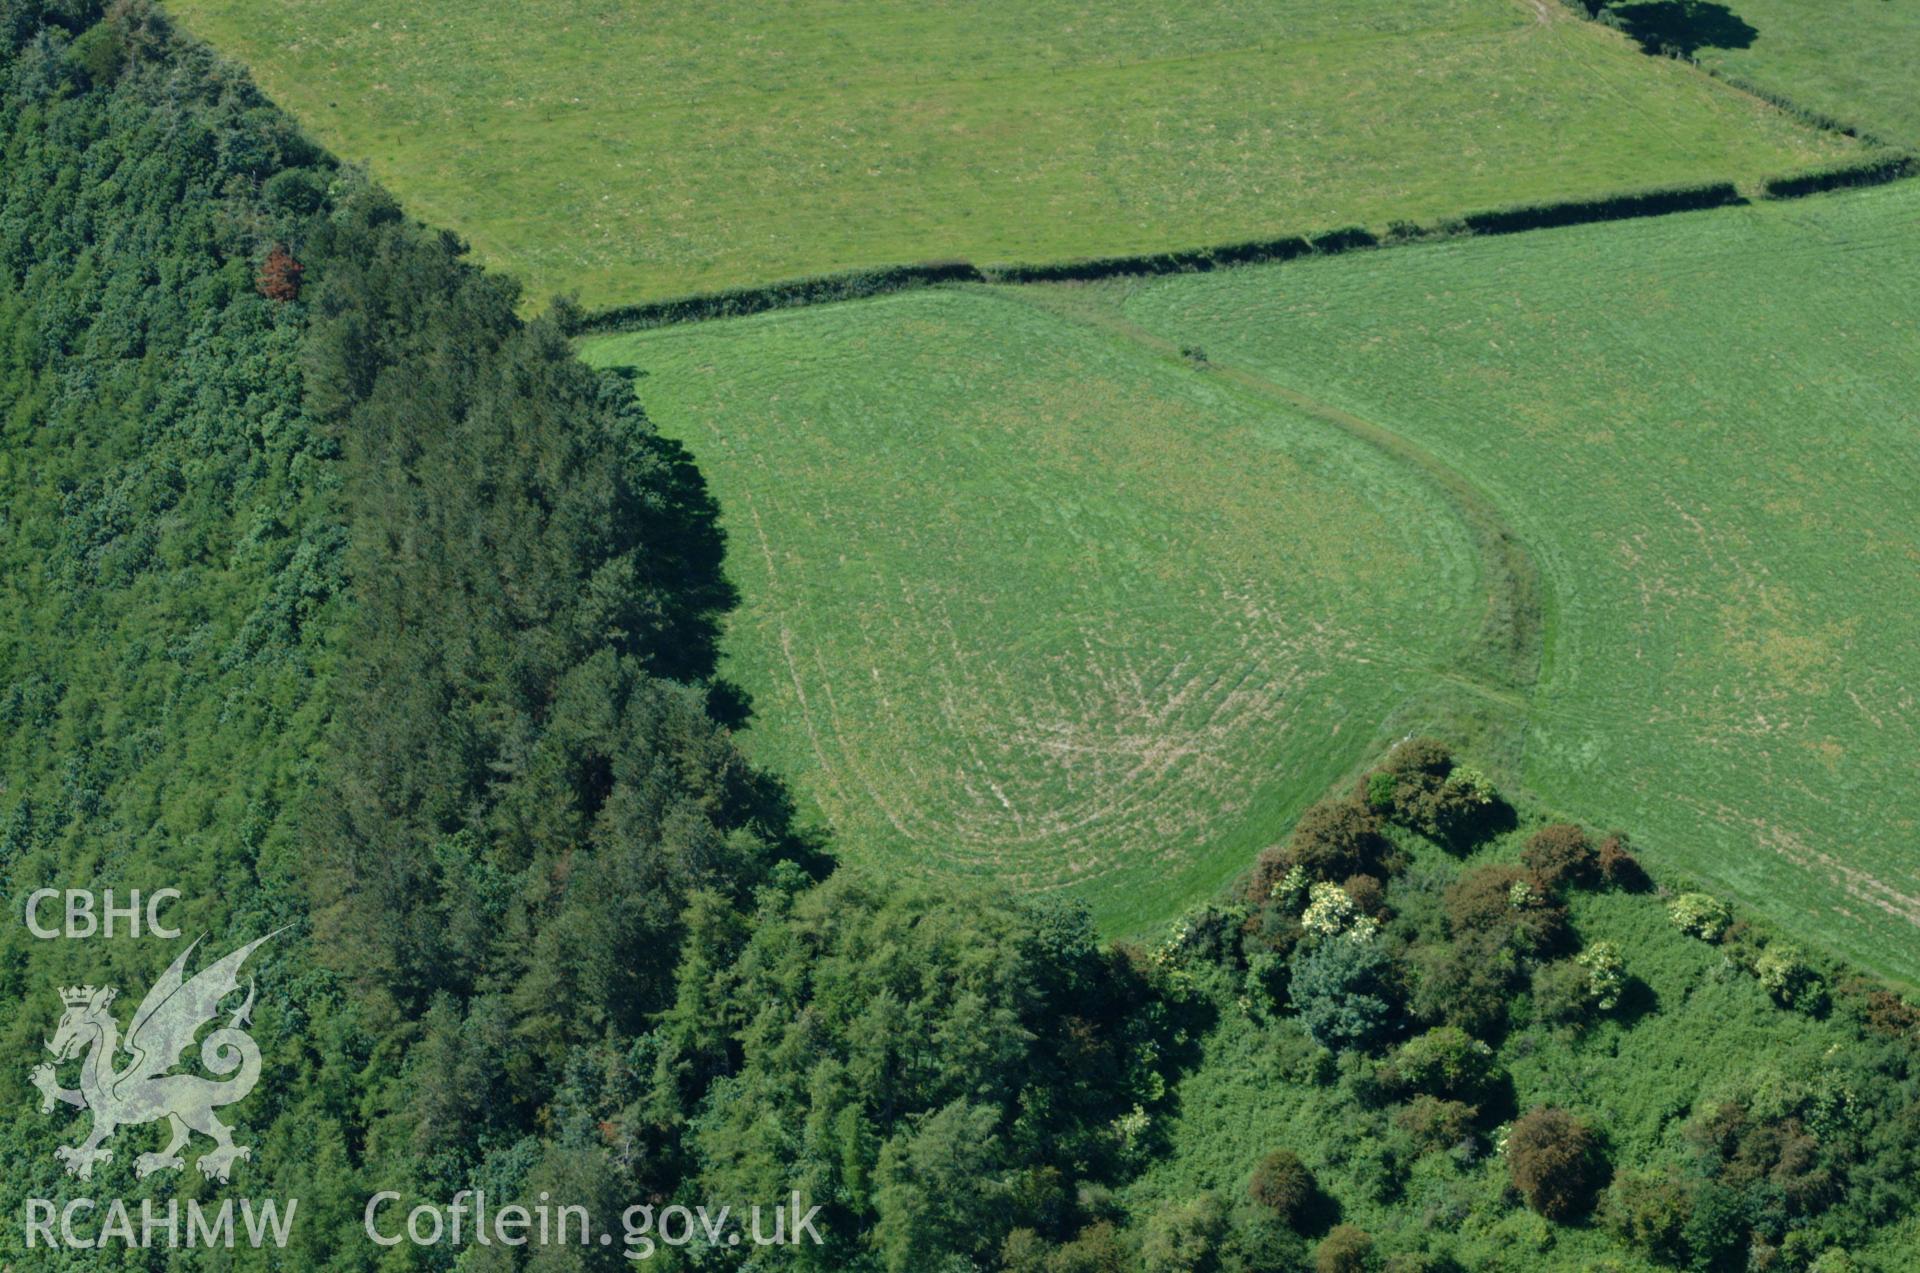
(1851, 59)
(1030, 595)
(632, 152)
(1705, 428)
(1027, 603)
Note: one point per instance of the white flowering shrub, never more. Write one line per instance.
(1329, 910)
(1469, 786)
(1784, 972)
(1523, 895)
(1606, 974)
(1700, 915)
(1291, 891)
(1130, 1131)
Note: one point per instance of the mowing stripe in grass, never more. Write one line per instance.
(631, 151)
(1703, 426)
(1021, 600)
(1503, 656)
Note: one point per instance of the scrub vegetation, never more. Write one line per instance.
(354, 605)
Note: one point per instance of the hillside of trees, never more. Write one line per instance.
(344, 600)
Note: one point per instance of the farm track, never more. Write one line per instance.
(1502, 662)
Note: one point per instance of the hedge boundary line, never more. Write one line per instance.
(812, 289)
(1599, 13)
(1867, 170)
(1624, 207)
(819, 289)
(1807, 115)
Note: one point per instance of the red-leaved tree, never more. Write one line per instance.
(279, 278)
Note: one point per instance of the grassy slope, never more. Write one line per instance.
(1853, 59)
(1698, 1032)
(1704, 426)
(1027, 603)
(634, 151)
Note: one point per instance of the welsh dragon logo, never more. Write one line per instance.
(143, 1091)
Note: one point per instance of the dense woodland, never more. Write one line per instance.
(338, 596)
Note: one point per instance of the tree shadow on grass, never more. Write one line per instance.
(729, 703)
(1681, 28)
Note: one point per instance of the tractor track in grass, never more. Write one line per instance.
(1502, 662)
(1094, 621)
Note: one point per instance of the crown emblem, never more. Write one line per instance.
(77, 996)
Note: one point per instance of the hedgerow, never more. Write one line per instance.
(854, 284)
(1868, 170)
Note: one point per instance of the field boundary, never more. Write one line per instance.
(1868, 170)
(1807, 115)
(1877, 168)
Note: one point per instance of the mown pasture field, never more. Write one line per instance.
(1028, 604)
(632, 151)
(1704, 427)
(1851, 59)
